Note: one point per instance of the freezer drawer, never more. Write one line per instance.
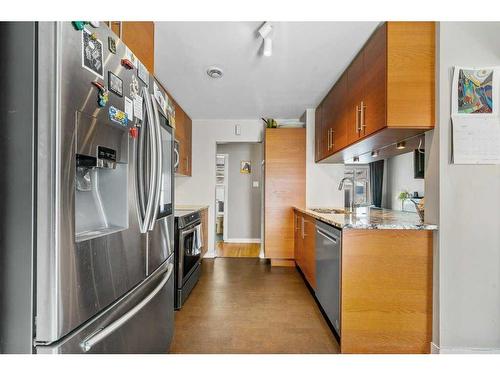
(140, 322)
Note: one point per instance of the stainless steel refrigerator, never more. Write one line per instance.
(86, 194)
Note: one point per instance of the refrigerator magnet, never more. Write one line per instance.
(112, 45)
(115, 84)
(117, 116)
(92, 54)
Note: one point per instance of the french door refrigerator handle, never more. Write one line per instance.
(139, 178)
(177, 158)
(158, 174)
(100, 335)
(150, 209)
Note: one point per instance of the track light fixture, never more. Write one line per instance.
(265, 31)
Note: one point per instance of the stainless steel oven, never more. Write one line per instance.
(188, 244)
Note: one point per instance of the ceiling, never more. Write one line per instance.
(307, 58)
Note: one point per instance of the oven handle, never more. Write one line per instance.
(100, 335)
(184, 233)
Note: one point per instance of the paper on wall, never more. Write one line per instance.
(475, 115)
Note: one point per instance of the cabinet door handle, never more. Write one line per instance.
(357, 119)
(328, 139)
(362, 125)
(331, 135)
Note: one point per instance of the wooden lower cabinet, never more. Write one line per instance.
(204, 229)
(386, 286)
(386, 294)
(305, 246)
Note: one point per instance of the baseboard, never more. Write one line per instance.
(242, 240)
(435, 349)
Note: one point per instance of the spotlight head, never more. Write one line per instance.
(265, 30)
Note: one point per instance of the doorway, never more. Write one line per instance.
(238, 199)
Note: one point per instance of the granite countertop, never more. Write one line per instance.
(371, 218)
(190, 207)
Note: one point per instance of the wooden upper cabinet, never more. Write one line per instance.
(318, 133)
(328, 115)
(410, 74)
(339, 136)
(140, 38)
(388, 95)
(355, 94)
(183, 135)
(373, 114)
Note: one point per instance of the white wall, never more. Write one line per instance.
(400, 172)
(244, 200)
(322, 180)
(468, 312)
(200, 188)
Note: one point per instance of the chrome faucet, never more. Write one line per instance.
(350, 207)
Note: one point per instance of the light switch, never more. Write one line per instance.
(237, 129)
(255, 184)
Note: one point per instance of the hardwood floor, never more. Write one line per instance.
(243, 305)
(238, 250)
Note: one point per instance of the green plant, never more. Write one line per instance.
(404, 195)
(270, 123)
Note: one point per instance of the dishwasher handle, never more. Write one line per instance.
(327, 235)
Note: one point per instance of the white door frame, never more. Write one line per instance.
(225, 185)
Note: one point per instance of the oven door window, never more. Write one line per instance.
(192, 251)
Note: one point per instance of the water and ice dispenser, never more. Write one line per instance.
(101, 186)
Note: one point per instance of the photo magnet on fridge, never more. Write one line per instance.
(112, 45)
(92, 54)
(115, 84)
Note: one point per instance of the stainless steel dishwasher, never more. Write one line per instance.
(328, 271)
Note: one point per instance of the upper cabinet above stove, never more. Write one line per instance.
(386, 95)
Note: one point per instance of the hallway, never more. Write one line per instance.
(245, 306)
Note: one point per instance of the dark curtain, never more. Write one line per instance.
(376, 180)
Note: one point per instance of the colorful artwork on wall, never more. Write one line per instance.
(475, 91)
(245, 167)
